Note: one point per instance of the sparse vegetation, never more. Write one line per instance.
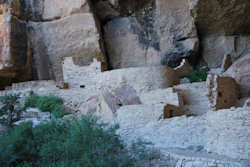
(10, 110)
(60, 143)
(199, 75)
(47, 103)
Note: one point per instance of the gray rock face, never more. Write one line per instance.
(215, 47)
(176, 30)
(125, 46)
(223, 27)
(221, 17)
(158, 32)
(163, 32)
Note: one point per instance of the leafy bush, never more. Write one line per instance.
(49, 103)
(62, 143)
(197, 76)
(11, 109)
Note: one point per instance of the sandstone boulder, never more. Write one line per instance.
(89, 106)
(107, 106)
(126, 95)
(109, 101)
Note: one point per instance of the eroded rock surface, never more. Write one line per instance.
(215, 47)
(158, 32)
(240, 70)
(76, 36)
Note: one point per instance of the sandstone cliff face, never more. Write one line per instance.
(149, 32)
(118, 33)
(223, 28)
(69, 30)
(15, 57)
(49, 31)
(152, 32)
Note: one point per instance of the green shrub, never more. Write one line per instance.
(62, 143)
(49, 103)
(10, 110)
(197, 76)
